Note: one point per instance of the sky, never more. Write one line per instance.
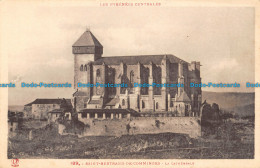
(37, 41)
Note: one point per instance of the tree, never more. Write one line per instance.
(206, 112)
(215, 112)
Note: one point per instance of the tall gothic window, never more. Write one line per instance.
(98, 80)
(85, 67)
(131, 81)
(144, 79)
(111, 79)
(157, 79)
(98, 73)
(123, 102)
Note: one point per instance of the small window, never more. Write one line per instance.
(84, 115)
(85, 67)
(81, 68)
(12, 123)
(11, 129)
(171, 104)
(76, 49)
(143, 104)
(123, 102)
(98, 73)
(85, 105)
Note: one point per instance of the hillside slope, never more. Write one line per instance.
(239, 102)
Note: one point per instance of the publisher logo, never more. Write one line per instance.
(15, 162)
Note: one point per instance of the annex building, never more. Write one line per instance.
(39, 108)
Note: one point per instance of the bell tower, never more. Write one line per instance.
(86, 49)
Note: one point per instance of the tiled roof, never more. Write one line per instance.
(79, 93)
(112, 102)
(87, 39)
(133, 60)
(94, 102)
(47, 101)
(29, 104)
(183, 97)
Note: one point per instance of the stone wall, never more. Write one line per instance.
(40, 111)
(34, 124)
(28, 112)
(143, 125)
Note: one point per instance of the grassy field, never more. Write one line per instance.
(233, 139)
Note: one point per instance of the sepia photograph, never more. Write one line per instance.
(110, 84)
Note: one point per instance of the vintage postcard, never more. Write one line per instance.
(129, 84)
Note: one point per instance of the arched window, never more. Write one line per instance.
(85, 67)
(123, 102)
(143, 104)
(98, 73)
(157, 105)
(75, 101)
(81, 68)
(132, 77)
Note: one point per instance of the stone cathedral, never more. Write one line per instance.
(91, 67)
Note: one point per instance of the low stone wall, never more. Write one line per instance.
(143, 125)
(34, 124)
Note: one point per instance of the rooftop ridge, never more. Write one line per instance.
(138, 55)
(47, 101)
(134, 59)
